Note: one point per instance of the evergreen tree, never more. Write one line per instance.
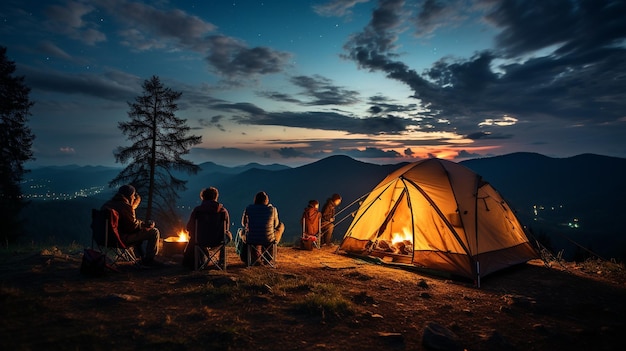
(159, 141)
(16, 140)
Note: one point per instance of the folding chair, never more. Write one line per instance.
(210, 239)
(318, 236)
(269, 251)
(107, 238)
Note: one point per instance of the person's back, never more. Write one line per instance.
(208, 211)
(311, 218)
(260, 223)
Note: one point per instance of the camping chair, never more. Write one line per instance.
(107, 237)
(210, 239)
(269, 251)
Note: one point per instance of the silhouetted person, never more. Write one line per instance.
(262, 224)
(133, 231)
(328, 219)
(311, 221)
(209, 205)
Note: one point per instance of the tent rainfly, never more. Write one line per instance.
(439, 215)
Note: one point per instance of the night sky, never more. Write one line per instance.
(294, 81)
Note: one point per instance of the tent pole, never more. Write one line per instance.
(478, 274)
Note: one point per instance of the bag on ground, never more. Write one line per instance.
(94, 263)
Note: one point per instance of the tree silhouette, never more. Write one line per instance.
(159, 140)
(16, 140)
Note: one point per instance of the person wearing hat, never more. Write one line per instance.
(133, 231)
(328, 219)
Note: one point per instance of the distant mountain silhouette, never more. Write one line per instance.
(588, 188)
(584, 191)
(291, 189)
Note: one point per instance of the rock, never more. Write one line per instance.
(425, 295)
(422, 284)
(438, 337)
(519, 301)
(496, 341)
(363, 299)
(220, 281)
(395, 338)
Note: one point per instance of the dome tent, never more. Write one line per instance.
(439, 215)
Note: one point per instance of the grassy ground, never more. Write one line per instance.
(313, 300)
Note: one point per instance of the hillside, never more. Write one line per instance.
(577, 198)
(559, 200)
(314, 300)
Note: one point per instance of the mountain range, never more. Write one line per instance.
(573, 205)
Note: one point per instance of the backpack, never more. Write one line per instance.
(93, 264)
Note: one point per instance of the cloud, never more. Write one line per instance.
(67, 150)
(317, 91)
(68, 20)
(233, 59)
(384, 105)
(278, 96)
(215, 121)
(309, 152)
(464, 154)
(113, 85)
(323, 92)
(488, 135)
(148, 27)
(543, 64)
(337, 8)
(319, 120)
(503, 121)
(53, 50)
(371, 152)
(290, 152)
(435, 14)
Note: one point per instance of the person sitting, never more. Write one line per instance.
(133, 231)
(310, 221)
(262, 224)
(209, 205)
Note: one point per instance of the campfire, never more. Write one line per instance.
(182, 237)
(175, 245)
(400, 243)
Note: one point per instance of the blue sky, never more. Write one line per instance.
(294, 81)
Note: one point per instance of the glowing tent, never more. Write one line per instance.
(439, 215)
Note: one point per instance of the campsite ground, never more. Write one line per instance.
(315, 300)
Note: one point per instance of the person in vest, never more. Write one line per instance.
(133, 231)
(262, 224)
(209, 205)
(311, 221)
(328, 219)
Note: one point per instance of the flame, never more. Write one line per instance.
(406, 235)
(182, 237)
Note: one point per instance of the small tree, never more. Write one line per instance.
(159, 141)
(16, 140)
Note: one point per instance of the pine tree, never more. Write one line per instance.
(16, 140)
(159, 141)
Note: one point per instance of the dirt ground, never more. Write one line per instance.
(313, 300)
